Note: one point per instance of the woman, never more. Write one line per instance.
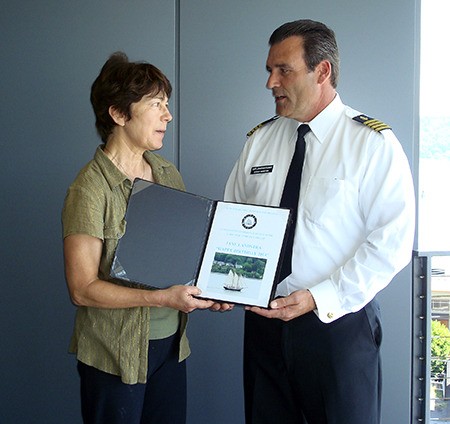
(130, 343)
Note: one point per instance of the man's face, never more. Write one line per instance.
(295, 88)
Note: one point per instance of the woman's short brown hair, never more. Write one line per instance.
(121, 83)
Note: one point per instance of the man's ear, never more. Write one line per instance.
(323, 71)
(117, 117)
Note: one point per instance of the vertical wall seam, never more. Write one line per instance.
(176, 131)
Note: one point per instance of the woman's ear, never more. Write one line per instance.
(117, 117)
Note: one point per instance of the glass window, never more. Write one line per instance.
(434, 162)
(434, 196)
(440, 340)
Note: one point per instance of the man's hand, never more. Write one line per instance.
(287, 308)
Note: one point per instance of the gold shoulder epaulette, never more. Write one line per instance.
(261, 125)
(374, 124)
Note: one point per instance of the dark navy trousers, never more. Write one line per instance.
(306, 371)
(106, 400)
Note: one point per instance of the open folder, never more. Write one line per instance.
(231, 251)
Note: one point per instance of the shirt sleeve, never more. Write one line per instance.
(387, 204)
(82, 213)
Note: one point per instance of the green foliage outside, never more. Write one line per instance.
(440, 347)
(243, 265)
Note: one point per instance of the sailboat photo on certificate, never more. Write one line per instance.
(236, 273)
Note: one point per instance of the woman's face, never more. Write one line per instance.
(147, 126)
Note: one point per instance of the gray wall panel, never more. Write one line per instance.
(223, 53)
(51, 51)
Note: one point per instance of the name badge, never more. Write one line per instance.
(264, 169)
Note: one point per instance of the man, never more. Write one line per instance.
(315, 353)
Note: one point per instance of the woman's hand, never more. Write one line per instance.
(183, 298)
(221, 307)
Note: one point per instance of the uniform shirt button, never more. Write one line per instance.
(330, 315)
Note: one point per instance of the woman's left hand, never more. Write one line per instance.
(221, 307)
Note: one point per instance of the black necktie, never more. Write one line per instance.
(290, 196)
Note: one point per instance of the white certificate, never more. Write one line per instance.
(242, 253)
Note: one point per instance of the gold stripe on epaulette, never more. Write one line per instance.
(377, 125)
(261, 125)
(374, 124)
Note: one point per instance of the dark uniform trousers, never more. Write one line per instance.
(306, 371)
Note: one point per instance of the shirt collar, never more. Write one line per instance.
(115, 178)
(157, 164)
(112, 175)
(326, 119)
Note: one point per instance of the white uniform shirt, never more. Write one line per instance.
(356, 212)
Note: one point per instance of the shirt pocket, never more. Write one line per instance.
(324, 201)
(112, 234)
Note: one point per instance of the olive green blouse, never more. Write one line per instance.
(116, 340)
